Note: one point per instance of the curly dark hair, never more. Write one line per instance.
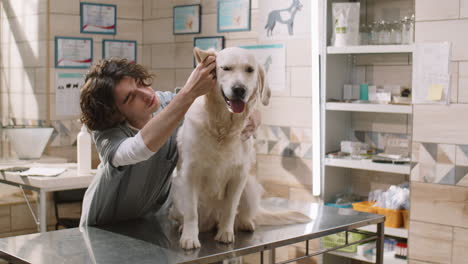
(98, 108)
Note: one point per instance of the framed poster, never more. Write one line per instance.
(233, 15)
(126, 49)
(73, 52)
(280, 19)
(67, 93)
(98, 18)
(273, 59)
(187, 19)
(205, 43)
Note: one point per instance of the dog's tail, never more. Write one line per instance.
(265, 217)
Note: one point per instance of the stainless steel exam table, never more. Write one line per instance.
(155, 239)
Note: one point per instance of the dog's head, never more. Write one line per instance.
(240, 77)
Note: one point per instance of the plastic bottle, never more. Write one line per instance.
(84, 151)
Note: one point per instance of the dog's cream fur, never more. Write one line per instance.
(213, 187)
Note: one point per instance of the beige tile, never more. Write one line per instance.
(19, 233)
(64, 7)
(284, 170)
(298, 52)
(146, 56)
(434, 202)
(158, 31)
(5, 219)
(65, 25)
(454, 66)
(430, 242)
(273, 189)
(182, 76)
(163, 56)
(460, 245)
(284, 111)
(440, 124)
(130, 30)
(378, 122)
(445, 31)
(463, 83)
(208, 6)
(463, 8)
(301, 81)
(389, 75)
(433, 10)
(21, 217)
(209, 25)
(184, 55)
(165, 80)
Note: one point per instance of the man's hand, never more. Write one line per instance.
(253, 123)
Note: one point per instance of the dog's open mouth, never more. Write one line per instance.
(235, 105)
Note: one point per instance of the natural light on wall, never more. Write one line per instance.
(23, 45)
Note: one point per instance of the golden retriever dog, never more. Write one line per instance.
(213, 187)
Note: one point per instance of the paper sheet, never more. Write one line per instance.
(435, 92)
(431, 73)
(43, 172)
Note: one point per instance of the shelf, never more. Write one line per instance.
(364, 49)
(394, 232)
(389, 257)
(376, 108)
(367, 164)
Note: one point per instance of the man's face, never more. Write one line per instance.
(136, 102)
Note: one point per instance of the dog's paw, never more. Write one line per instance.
(246, 225)
(189, 242)
(225, 236)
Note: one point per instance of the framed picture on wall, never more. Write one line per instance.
(98, 18)
(73, 52)
(233, 15)
(187, 19)
(205, 43)
(126, 49)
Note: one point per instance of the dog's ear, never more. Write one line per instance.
(263, 87)
(200, 55)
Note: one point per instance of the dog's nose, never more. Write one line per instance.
(238, 91)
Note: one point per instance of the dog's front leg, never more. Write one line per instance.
(228, 213)
(189, 237)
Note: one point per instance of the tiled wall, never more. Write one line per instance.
(438, 218)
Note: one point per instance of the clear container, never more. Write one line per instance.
(363, 35)
(395, 32)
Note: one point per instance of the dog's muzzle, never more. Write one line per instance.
(236, 103)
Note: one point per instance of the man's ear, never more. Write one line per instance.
(263, 87)
(200, 55)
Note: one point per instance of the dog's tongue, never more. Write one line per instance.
(237, 106)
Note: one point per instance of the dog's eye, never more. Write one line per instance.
(226, 68)
(249, 69)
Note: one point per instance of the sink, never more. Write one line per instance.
(28, 142)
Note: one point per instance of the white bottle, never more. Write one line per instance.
(84, 151)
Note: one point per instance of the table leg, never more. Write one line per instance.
(42, 211)
(380, 243)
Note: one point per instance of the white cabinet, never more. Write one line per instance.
(374, 64)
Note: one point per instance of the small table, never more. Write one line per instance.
(68, 180)
(155, 239)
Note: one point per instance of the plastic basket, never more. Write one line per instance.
(365, 206)
(393, 218)
(339, 239)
